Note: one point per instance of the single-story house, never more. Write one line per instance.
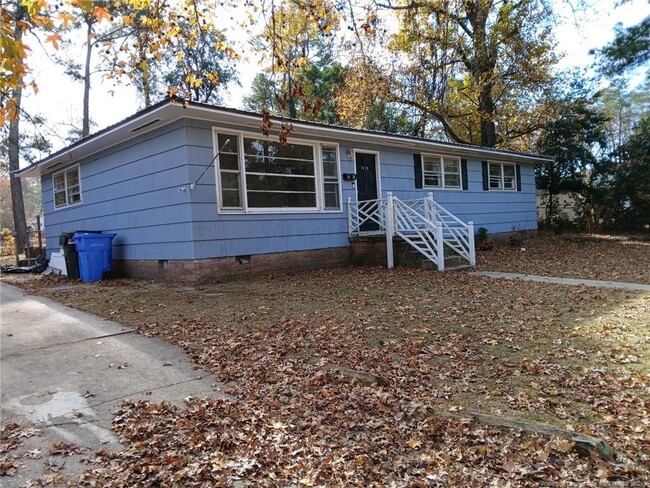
(196, 191)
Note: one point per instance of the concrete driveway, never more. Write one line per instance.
(65, 372)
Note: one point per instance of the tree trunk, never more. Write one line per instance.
(291, 100)
(482, 68)
(145, 73)
(486, 112)
(583, 441)
(85, 129)
(13, 142)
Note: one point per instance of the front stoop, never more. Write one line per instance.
(455, 262)
(368, 251)
(371, 251)
(407, 256)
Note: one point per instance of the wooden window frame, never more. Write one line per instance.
(501, 178)
(66, 190)
(442, 173)
(328, 179)
(319, 177)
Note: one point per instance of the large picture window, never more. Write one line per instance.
(67, 189)
(441, 171)
(260, 174)
(279, 176)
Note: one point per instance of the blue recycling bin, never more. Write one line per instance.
(94, 255)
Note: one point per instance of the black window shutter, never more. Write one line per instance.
(518, 173)
(417, 165)
(486, 176)
(463, 173)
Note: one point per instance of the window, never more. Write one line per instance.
(502, 176)
(330, 178)
(441, 171)
(229, 173)
(279, 175)
(67, 190)
(257, 173)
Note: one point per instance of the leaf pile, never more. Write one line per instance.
(593, 257)
(572, 357)
(11, 436)
(216, 442)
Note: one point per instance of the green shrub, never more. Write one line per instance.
(558, 222)
(483, 241)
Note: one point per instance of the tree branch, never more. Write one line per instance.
(435, 114)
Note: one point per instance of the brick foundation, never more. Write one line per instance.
(368, 251)
(218, 268)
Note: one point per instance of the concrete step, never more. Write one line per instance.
(407, 255)
(455, 261)
(461, 268)
(415, 259)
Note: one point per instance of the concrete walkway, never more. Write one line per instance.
(66, 372)
(565, 281)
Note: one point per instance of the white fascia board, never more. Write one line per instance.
(171, 111)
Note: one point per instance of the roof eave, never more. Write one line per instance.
(168, 111)
(68, 154)
(384, 138)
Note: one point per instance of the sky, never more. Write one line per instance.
(59, 98)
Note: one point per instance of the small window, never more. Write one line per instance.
(502, 176)
(67, 188)
(229, 172)
(431, 171)
(441, 171)
(509, 177)
(331, 194)
(451, 173)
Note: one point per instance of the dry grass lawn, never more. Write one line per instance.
(573, 357)
(596, 257)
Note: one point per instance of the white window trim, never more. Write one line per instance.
(502, 180)
(321, 170)
(443, 185)
(67, 205)
(377, 169)
(318, 176)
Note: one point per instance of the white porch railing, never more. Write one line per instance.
(367, 217)
(423, 223)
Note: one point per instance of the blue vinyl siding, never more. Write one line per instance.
(497, 211)
(140, 189)
(131, 189)
(233, 234)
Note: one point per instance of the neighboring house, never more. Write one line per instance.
(566, 203)
(196, 191)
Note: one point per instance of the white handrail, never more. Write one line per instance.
(459, 236)
(366, 212)
(445, 213)
(423, 223)
(390, 230)
(428, 239)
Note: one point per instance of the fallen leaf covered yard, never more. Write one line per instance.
(368, 377)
